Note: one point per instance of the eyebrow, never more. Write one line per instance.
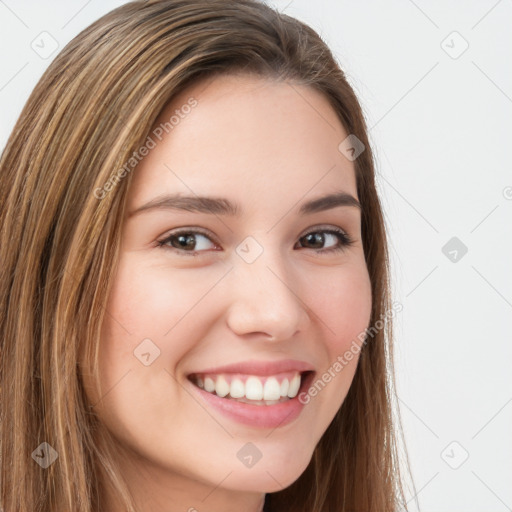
(223, 206)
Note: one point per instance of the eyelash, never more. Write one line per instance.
(344, 239)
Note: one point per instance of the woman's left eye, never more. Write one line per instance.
(336, 239)
(191, 242)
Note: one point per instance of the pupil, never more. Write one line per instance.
(315, 238)
(186, 241)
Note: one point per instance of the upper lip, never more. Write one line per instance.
(262, 368)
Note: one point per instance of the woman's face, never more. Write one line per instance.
(233, 279)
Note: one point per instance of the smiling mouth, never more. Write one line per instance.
(252, 389)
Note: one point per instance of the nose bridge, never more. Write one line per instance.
(263, 298)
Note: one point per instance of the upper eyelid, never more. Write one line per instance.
(202, 231)
(323, 227)
(194, 231)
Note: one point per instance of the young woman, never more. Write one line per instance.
(194, 297)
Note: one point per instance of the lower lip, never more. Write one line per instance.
(262, 416)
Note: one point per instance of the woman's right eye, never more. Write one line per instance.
(187, 242)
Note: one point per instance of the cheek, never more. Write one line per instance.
(149, 303)
(343, 302)
(146, 301)
(153, 312)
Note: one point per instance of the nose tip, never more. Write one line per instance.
(264, 303)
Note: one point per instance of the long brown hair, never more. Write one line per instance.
(59, 242)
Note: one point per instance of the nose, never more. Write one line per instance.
(265, 299)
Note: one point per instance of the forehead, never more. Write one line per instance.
(253, 138)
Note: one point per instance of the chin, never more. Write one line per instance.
(273, 476)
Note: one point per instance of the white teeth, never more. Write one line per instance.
(284, 387)
(294, 386)
(221, 386)
(271, 389)
(209, 385)
(237, 389)
(269, 393)
(254, 389)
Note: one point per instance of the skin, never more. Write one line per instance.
(268, 146)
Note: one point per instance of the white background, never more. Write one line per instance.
(440, 124)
